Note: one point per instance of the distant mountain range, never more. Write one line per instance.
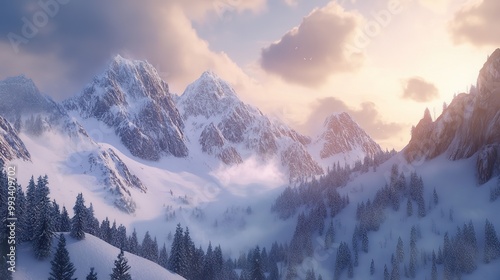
(208, 123)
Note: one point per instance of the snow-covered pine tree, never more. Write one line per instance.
(44, 228)
(92, 224)
(274, 273)
(121, 237)
(344, 259)
(386, 273)
(133, 243)
(21, 215)
(56, 216)
(491, 243)
(163, 257)
(218, 261)
(147, 247)
(409, 208)
(78, 220)
(92, 275)
(65, 225)
(31, 205)
(105, 231)
(400, 252)
(256, 272)
(61, 266)
(208, 263)
(189, 250)
(177, 259)
(121, 269)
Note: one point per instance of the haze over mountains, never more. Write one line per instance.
(150, 159)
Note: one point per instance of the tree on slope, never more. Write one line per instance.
(177, 259)
(121, 269)
(44, 228)
(256, 272)
(92, 275)
(78, 220)
(61, 266)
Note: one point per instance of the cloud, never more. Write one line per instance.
(478, 24)
(78, 38)
(367, 116)
(310, 53)
(437, 6)
(419, 90)
(291, 3)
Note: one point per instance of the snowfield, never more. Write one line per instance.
(87, 253)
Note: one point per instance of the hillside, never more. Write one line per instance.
(90, 252)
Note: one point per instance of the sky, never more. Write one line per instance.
(382, 61)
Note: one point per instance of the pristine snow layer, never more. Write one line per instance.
(84, 254)
(458, 192)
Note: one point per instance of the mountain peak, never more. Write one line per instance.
(208, 95)
(489, 76)
(342, 134)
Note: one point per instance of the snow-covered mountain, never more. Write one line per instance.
(224, 126)
(343, 140)
(131, 98)
(467, 126)
(11, 146)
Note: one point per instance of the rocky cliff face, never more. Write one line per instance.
(341, 134)
(470, 124)
(231, 130)
(131, 98)
(11, 146)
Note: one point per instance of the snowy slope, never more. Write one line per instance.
(459, 195)
(90, 252)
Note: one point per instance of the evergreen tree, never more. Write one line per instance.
(61, 266)
(329, 236)
(189, 251)
(310, 275)
(92, 274)
(22, 218)
(105, 231)
(395, 273)
(434, 273)
(133, 243)
(121, 237)
(364, 241)
(208, 264)
(44, 228)
(147, 247)
(409, 208)
(218, 261)
(435, 196)
(78, 221)
(177, 260)
(274, 273)
(92, 224)
(31, 209)
(343, 260)
(65, 225)
(56, 216)
(400, 253)
(256, 272)
(372, 267)
(163, 258)
(491, 244)
(121, 269)
(386, 273)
